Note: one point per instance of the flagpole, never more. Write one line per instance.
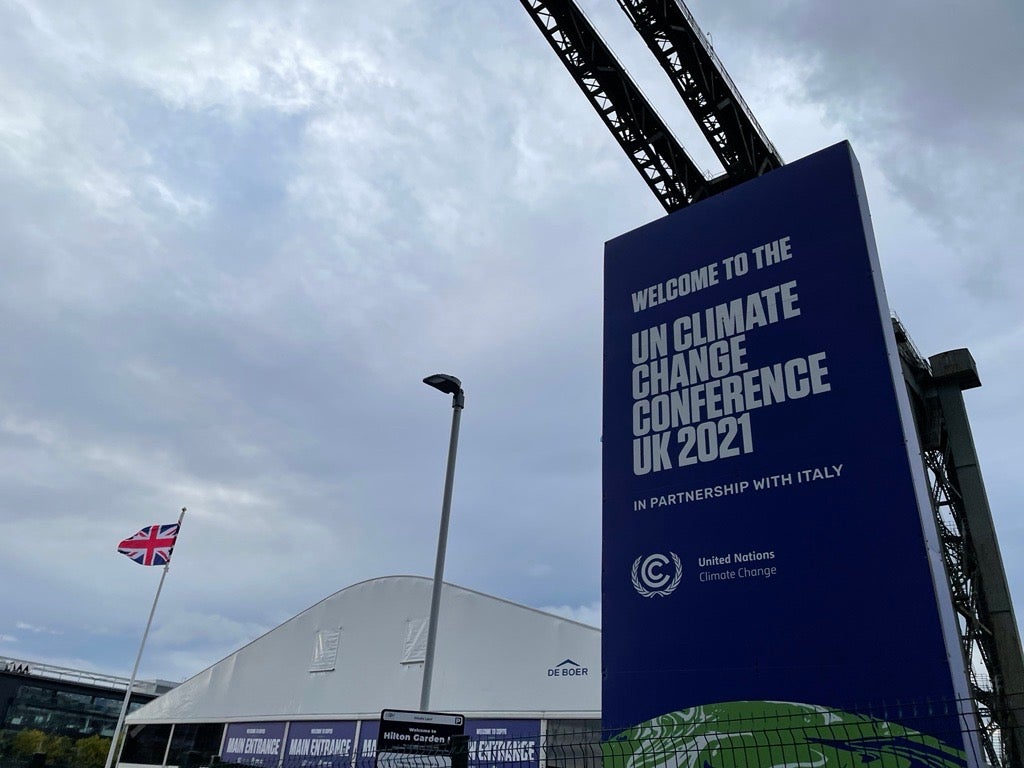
(138, 658)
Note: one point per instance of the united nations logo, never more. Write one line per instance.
(650, 580)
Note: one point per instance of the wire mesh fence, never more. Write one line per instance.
(759, 734)
(734, 735)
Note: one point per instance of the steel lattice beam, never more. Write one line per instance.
(977, 581)
(661, 160)
(674, 38)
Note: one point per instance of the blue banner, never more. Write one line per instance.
(369, 730)
(256, 744)
(504, 743)
(325, 744)
(769, 554)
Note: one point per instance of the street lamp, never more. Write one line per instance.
(450, 386)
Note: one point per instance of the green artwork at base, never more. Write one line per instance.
(769, 734)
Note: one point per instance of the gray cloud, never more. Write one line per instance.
(236, 239)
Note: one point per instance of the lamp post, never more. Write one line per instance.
(450, 386)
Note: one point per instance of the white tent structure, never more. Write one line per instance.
(329, 671)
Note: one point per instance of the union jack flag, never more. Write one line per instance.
(152, 545)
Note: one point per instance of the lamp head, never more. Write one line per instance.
(450, 386)
(445, 383)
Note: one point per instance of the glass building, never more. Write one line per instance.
(66, 702)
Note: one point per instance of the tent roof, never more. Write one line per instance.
(493, 658)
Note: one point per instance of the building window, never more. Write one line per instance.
(33, 694)
(146, 744)
(195, 743)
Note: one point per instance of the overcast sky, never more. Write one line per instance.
(236, 236)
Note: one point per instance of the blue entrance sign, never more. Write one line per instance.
(503, 743)
(256, 744)
(771, 565)
(320, 744)
(369, 730)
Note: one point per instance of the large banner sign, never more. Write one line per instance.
(257, 744)
(320, 744)
(772, 582)
(503, 743)
(369, 730)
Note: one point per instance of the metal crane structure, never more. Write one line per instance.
(699, 77)
(974, 567)
(989, 636)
